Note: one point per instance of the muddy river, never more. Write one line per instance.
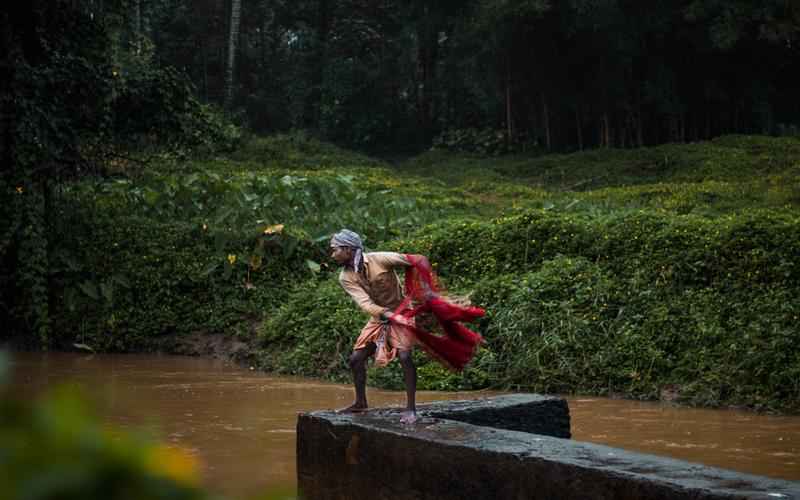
(240, 424)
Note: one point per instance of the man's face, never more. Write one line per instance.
(341, 255)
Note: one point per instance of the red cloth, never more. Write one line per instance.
(457, 345)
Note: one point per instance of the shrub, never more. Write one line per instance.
(549, 332)
(312, 333)
(488, 142)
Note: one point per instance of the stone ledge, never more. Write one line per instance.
(532, 413)
(372, 456)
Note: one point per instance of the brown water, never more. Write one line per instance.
(240, 424)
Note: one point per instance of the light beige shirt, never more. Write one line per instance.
(377, 289)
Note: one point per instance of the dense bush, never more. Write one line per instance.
(203, 251)
(734, 250)
(301, 150)
(312, 332)
(629, 303)
(74, 104)
(571, 327)
(730, 159)
(487, 142)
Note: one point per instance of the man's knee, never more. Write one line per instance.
(359, 357)
(356, 360)
(405, 358)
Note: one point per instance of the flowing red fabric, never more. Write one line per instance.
(457, 344)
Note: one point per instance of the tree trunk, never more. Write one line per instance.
(606, 131)
(682, 127)
(427, 55)
(311, 111)
(204, 53)
(600, 133)
(233, 37)
(509, 126)
(579, 127)
(137, 26)
(638, 123)
(546, 120)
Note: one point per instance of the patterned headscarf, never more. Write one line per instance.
(351, 239)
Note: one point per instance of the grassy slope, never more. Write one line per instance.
(727, 174)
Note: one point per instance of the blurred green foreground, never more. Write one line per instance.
(55, 448)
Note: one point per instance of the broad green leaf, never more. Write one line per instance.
(107, 290)
(121, 280)
(210, 268)
(289, 247)
(90, 289)
(83, 347)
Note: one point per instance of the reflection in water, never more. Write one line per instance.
(240, 424)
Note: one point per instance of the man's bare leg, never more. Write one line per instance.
(410, 377)
(358, 365)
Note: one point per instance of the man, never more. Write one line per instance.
(371, 281)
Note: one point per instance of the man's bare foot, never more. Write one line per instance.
(409, 417)
(353, 408)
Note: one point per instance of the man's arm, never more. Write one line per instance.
(390, 259)
(361, 298)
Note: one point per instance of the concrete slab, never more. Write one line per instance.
(372, 456)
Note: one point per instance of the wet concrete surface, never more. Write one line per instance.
(437, 458)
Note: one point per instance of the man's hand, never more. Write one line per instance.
(394, 318)
(427, 292)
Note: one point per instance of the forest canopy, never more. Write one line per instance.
(389, 75)
(561, 75)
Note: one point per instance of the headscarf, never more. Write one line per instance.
(351, 239)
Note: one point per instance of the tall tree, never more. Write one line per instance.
(233, 39)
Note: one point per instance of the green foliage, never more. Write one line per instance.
(571, 327)
(676, 249)
(299, 150)
(631, 302)
(347, 110)
(312, 333)
(56, 448)
(73, 104)
(141, 258)
(687, 282)
(732, 159)
(155, 108)
(486, 142)
(549, 331)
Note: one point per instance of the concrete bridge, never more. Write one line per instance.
(508, 447)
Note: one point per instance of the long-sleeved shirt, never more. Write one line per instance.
(377, 289)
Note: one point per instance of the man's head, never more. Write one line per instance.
(346, 249)
(341, 255)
